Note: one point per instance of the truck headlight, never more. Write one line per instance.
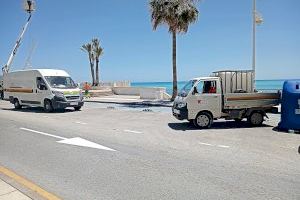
(181, 104)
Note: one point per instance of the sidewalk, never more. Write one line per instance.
(129, 100)
(7, 192)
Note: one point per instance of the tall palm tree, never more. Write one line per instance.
(98, 51)
(88, 48)
(177, 15)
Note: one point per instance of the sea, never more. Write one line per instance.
(261, 85)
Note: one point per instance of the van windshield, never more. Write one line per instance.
(63, 82)
(187, 88)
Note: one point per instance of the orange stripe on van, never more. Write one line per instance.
(20, 90)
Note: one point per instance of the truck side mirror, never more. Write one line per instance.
(194, 91)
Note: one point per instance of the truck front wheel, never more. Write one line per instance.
(256, 118)
(203, 120)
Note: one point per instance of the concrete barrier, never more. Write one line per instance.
(158, 93)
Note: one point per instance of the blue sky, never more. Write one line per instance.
(221, 39)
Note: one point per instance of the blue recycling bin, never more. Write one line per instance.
(290, 106)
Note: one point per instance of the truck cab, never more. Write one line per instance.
(199, 94)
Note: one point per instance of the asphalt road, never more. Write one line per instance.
(155, 157)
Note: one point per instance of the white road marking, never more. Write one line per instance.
(130, 131)
(223, 146)
(42, 133)
(205, 144)
(77, 141)
(82, 123)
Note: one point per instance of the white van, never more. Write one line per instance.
(48, 88)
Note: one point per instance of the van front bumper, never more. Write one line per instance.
(180, 113)
(65, 104)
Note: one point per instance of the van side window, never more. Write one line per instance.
(40, 83)
(210, 87)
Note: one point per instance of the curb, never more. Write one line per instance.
(133, 103)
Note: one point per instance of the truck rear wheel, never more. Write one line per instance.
(256, 118)
(17, 104)
(203, 120)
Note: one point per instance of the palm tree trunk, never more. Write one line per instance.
(97, 72)
(174, 67)
(92, 72)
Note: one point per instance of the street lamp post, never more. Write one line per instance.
(257, 20)
(254, 42)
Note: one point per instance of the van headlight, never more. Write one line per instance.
(58, 94)
(80, 95)
(181, 104)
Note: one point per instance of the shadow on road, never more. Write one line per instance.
(36, 110)
(185, 126)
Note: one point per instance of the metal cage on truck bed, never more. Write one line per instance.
(236, 81)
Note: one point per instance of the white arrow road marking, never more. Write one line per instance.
(77, 141)
(84, 143)
(42, 133)
(130, 131)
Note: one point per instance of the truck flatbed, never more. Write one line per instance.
(250, 100)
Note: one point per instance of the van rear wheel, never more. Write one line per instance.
(48, 106)
(17, 104)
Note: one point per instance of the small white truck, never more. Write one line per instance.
(48, 88)
(225, 94)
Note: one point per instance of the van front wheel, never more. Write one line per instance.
(17, 104)
(77, 108)
(48, 106)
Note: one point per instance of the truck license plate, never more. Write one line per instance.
(74, 103)
(176, 111)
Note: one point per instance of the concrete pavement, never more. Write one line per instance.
(156, 157)
(7, 192)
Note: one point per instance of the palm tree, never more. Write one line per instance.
(177, 15)
(88, 48)
(98, 51)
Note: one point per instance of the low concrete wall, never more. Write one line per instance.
(126, 91)
(144, 92)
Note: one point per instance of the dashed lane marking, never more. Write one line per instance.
(207, 144)
(82, 123)
(130, 131)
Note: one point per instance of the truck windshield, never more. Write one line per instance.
(187, 88)
(61, 82)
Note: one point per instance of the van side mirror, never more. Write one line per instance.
(42, 86)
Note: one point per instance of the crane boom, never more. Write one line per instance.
(6, 67)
